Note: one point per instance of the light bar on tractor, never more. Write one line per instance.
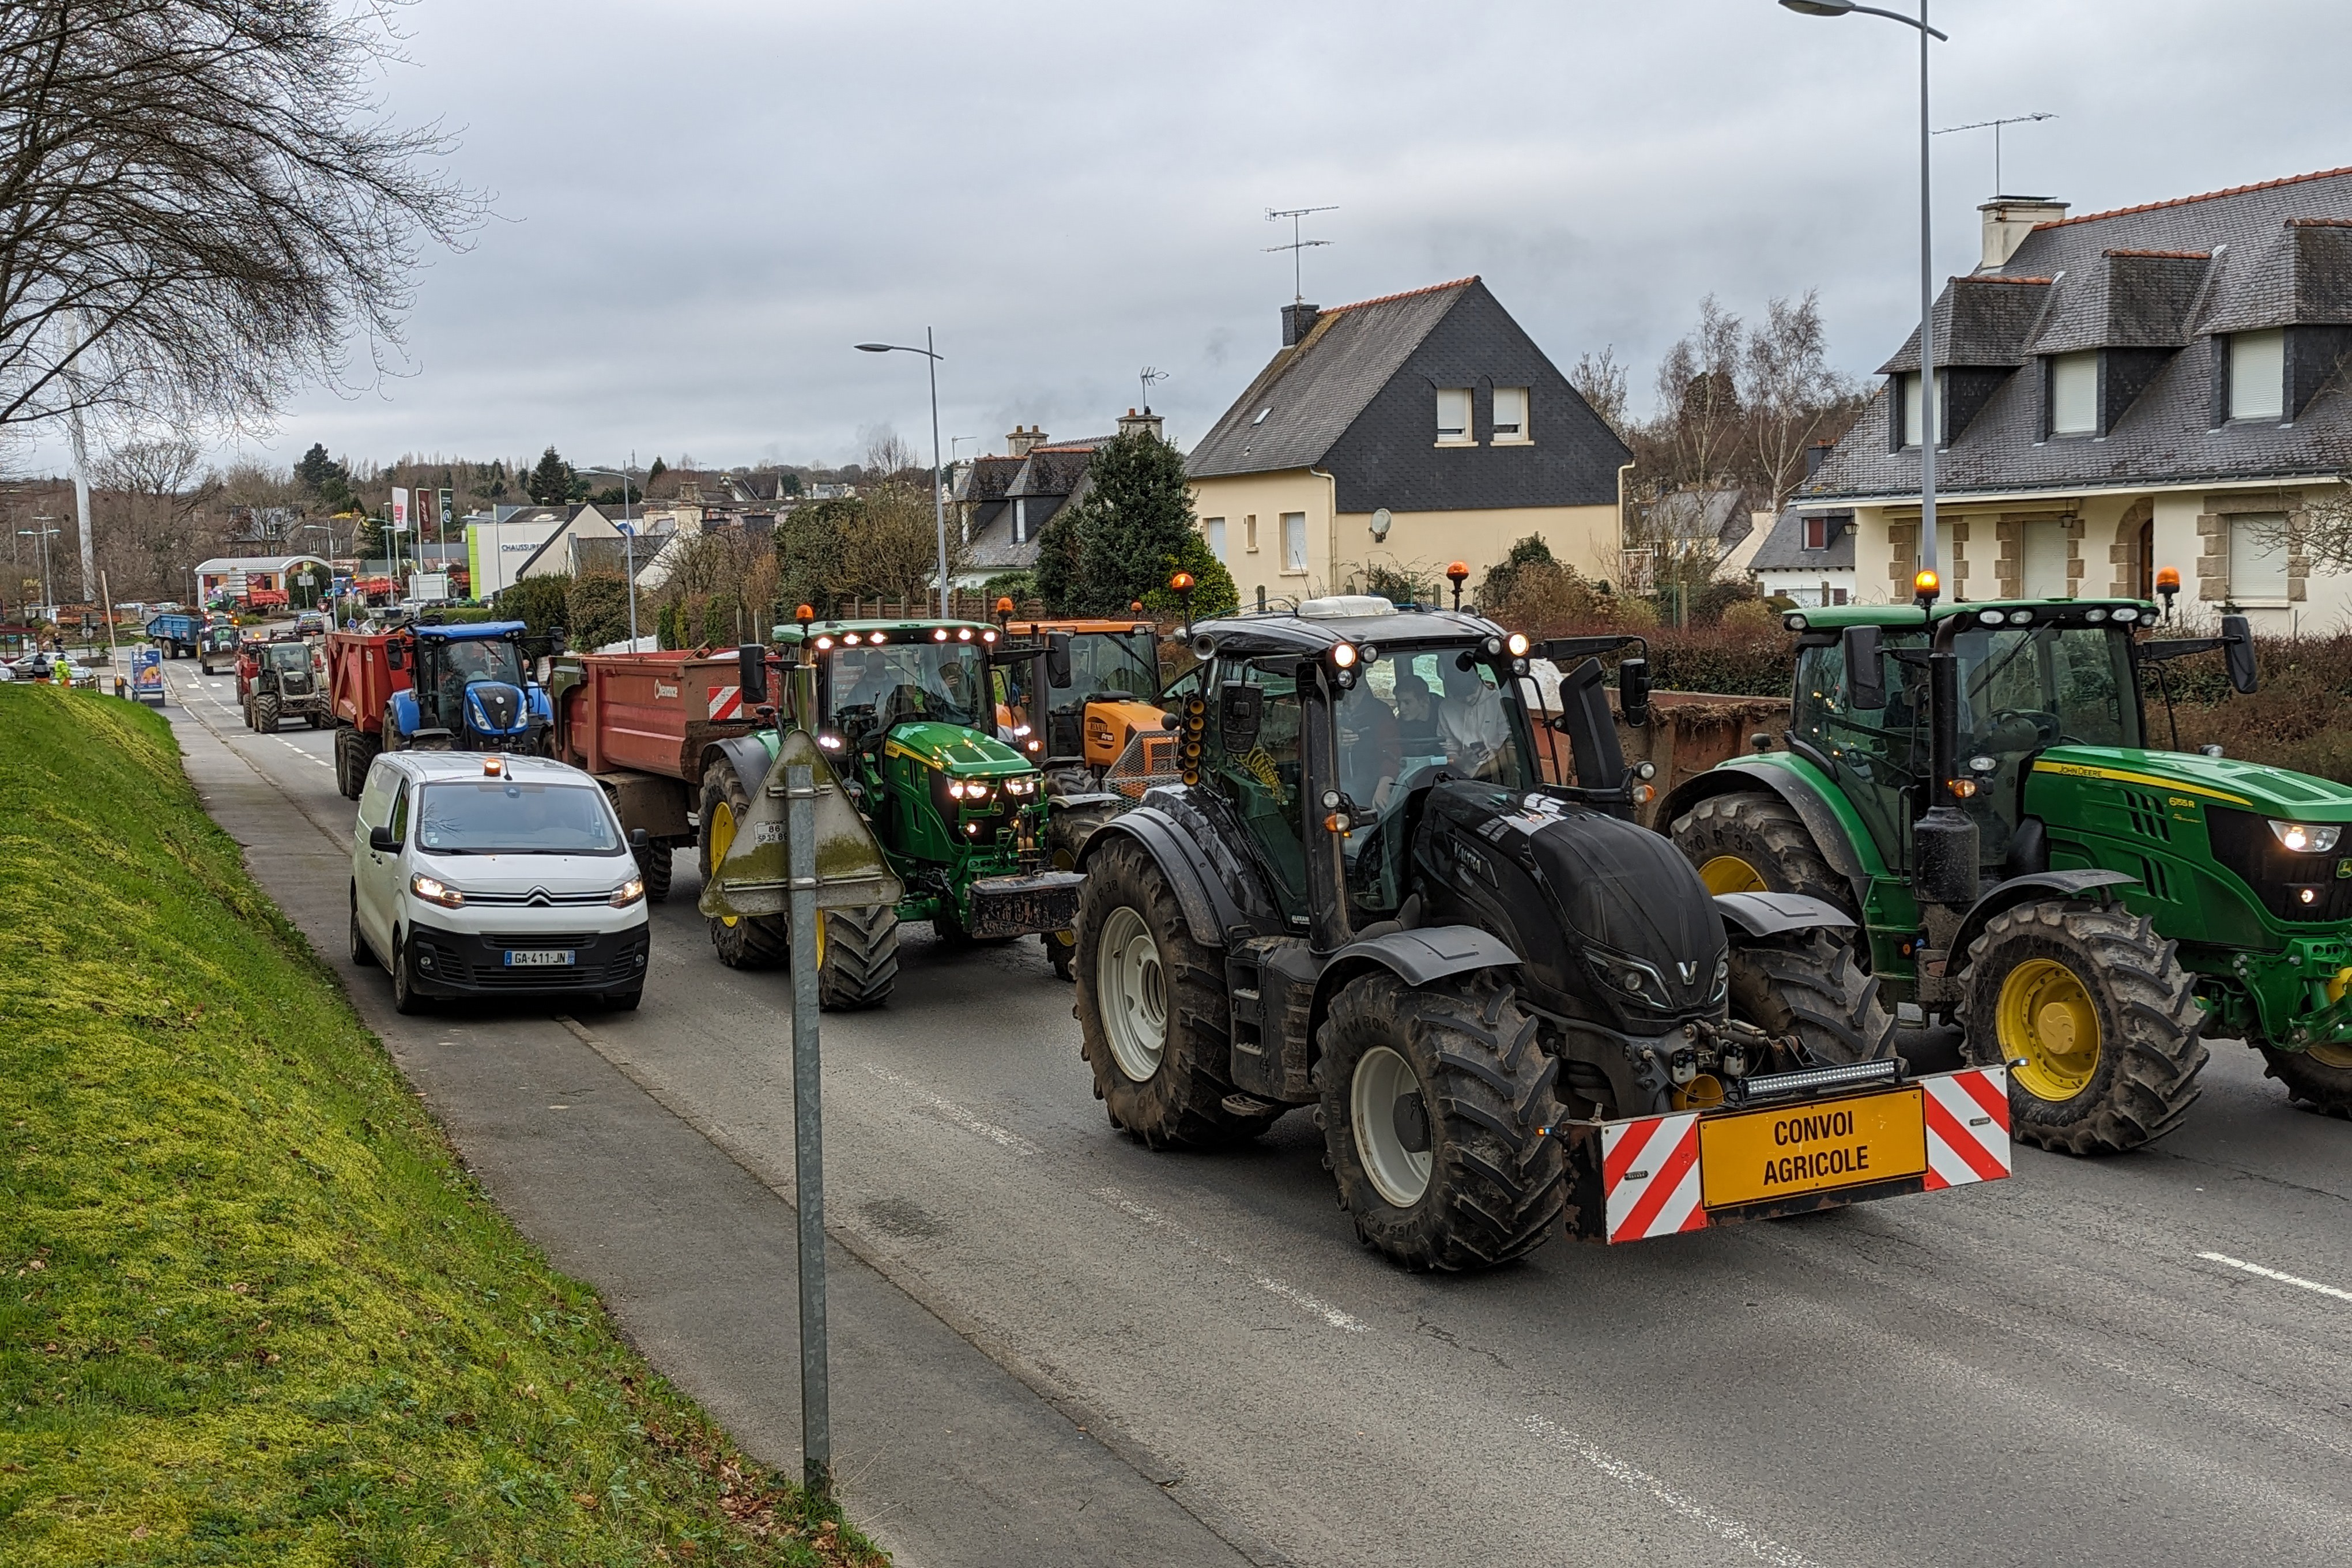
(1810, 1080)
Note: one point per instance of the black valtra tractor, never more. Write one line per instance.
(1364, 898)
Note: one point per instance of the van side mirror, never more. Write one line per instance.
(752, 673)
(1865, 679)
(1633, 690)
(2238, 653)
(1239, 710)
(640, 842)
(381, 840)
(1057, 658)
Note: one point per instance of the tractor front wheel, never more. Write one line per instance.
(1752, 842)
(1808, 985)
(654, 865)
(1153, 1010)
(1433, 1101)
(2320, 1077)
(265, 713)
(857, 957)
(2097, 1017)
(743, 942)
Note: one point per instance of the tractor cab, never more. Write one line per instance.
(467, 688)
(1074, 694)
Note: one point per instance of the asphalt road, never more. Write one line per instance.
(1190, 1358)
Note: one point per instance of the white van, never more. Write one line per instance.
(478, 874)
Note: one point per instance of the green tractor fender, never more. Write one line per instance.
(2035, 888)
(748, 754)
(1837, 830)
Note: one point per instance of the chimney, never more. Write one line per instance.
(1017, 444)
(1815, 456)
(1298, 320)
(1133, 422)
(2007, 220)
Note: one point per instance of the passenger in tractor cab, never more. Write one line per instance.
(1471, 721)
(462, 664)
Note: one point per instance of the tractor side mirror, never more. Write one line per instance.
(2238, 652)
(558, 642)
(1057, 658)
(395, 655)
(1591, 733)
(1239, 710)
(752, 673)
(1865, 681)
(1633, 690)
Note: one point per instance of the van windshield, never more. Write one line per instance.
(505, 816)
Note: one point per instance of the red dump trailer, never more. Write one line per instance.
(646, 725)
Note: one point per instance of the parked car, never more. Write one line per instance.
(491, 874)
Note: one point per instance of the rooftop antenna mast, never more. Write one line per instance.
(1997, 188)
(1148, 376)
(1297, 245)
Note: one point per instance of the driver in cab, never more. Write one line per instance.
(462, 664)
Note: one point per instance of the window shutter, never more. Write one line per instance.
(1510, 413)
(1453, 414)
(2258, 376)
(2258, 556)
(2074, 393)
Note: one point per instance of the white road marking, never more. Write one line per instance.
(957, 1113)
(1290, 1293)
(2256, 1269)
(298, 752)
(1762, 1548)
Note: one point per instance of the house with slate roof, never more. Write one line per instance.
(1002, 510)
(1407, 431)
(2122, 391)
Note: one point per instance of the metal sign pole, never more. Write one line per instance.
(808, 1131)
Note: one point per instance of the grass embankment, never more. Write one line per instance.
(251, 1310)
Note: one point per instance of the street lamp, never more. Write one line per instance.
(41, 537)
(1928, 425)
(628, 543)
(938, 502)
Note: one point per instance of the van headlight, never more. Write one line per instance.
(628, 892)
(2307, 838)
(434, 891)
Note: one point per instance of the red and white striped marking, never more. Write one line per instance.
(1649, 1170)
(1968, 1127)
(726, 702)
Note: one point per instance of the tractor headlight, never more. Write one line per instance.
(1518, 643)
(2306, 839)
(1722, 978)
(434, 891)
(628, 892)
(829, 741)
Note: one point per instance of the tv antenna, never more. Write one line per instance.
(1148, 376)
(1297, 245)
(1995, 125)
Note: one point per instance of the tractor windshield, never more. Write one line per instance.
(290, 658)
(1111, 663)
(868, 689)
(1413, 716)
(2046, 686)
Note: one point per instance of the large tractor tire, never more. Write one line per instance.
(1152, 1011)
(654, 865)
(1808, 985)
(745, 942)
(1434, 1102)
(2320, 1077)
(354, 753)
(1754, 842)
(1066, 833)
(265, 713)
(857, 957)
(2099, 1018)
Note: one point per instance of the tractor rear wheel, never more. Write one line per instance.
(1152, 1011)
(743, 942)
(1808, 985)
(1754, 842)
(654, 865)
(2320, 1077)
(857, 957)
(1434, 1098)
(2099, 1017)
(265, 713)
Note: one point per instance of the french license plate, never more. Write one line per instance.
(1761, 1155)
(538, 958)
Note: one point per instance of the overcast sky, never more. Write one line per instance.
(701, 204)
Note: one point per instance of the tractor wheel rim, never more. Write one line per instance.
(2337, 1057)
(1134, 995)
(1730, 874)
(2047, 1017)
(1382, 1078)
(722, 835)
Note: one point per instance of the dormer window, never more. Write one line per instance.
(1511, 416)
(1454, 417)
(2258, 376)
(2074, 393)
(1912, 416)
(1816, 532)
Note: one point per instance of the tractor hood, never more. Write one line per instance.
(2217, 781)
(953, 749)
(495, 707)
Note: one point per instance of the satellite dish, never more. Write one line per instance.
(1380, 520)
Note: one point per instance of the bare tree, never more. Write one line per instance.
(1602, 380)
(149, 524)
(200, 202)
(1698, 401)
(1794, 397)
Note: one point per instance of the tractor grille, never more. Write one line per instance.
(1148, 761)
(2147, 818)
(2279, 878)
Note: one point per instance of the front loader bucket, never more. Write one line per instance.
(755, 877)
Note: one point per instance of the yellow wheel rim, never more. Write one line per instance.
(1730, 874)
(2338, 1057)
(722, 835)
(2047, 1018)
(1065, 861)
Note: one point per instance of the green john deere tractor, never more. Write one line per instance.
(1977, 783)
(904, 712)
